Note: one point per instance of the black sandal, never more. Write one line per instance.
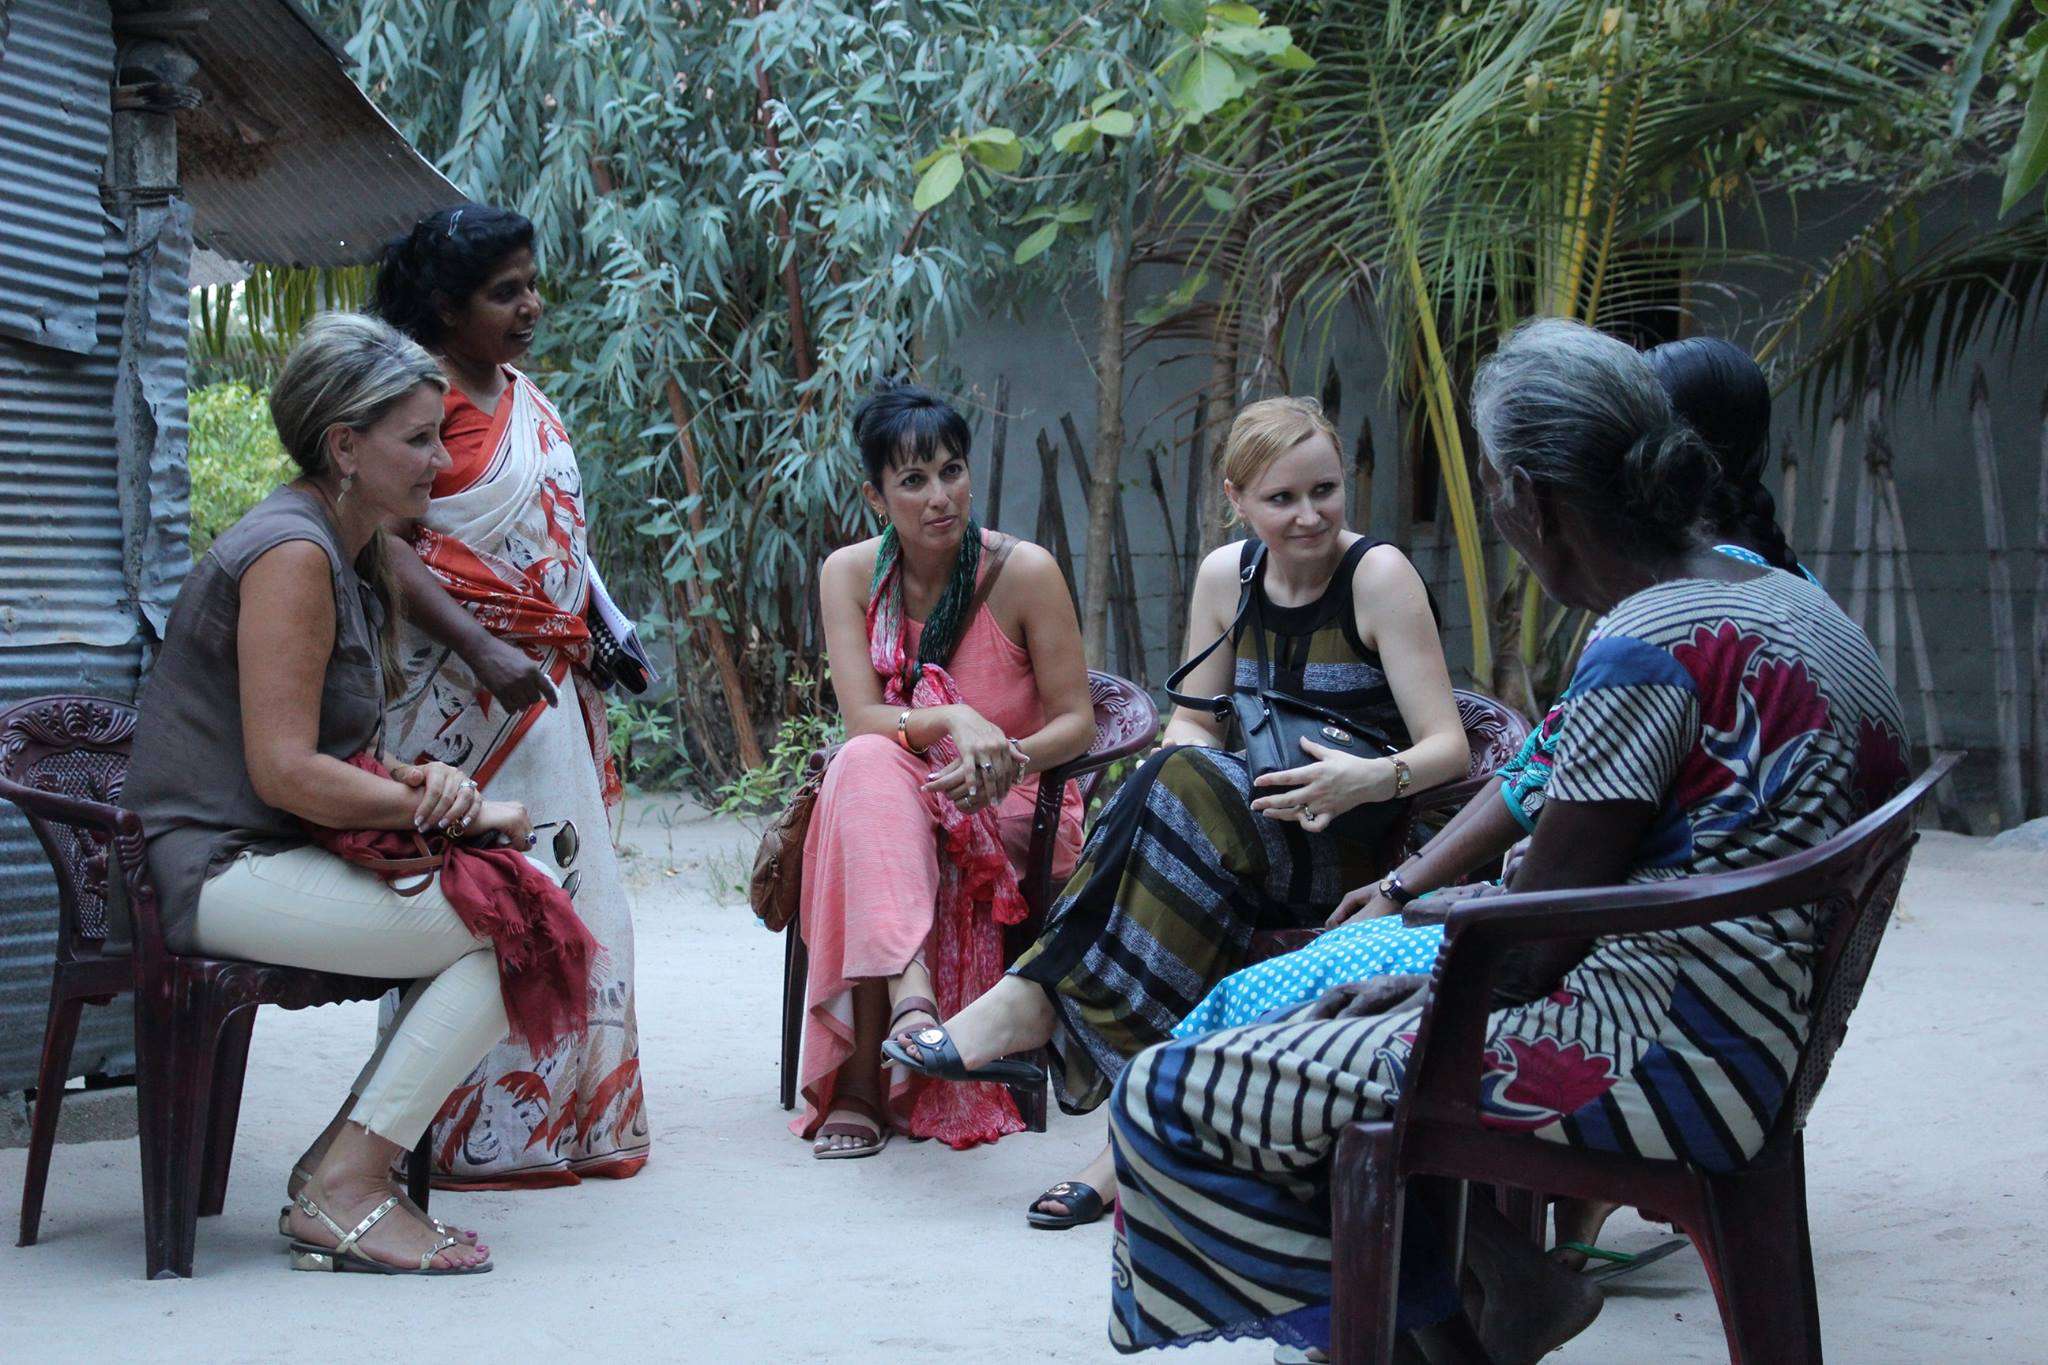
(1084, 1206)
(942, 1062)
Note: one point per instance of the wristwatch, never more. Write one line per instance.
(1392, 889)
(1402, 777)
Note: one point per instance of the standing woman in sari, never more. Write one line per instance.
(497, 580)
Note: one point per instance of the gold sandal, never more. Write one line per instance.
(343, 1255)
(299, 1180)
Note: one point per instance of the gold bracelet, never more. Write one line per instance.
(903, 733)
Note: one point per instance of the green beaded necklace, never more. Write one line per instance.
(948, 619)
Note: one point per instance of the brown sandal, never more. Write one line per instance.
(876, 1131)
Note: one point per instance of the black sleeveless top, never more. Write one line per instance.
(1315, 650)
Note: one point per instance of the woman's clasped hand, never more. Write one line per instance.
(989, 764)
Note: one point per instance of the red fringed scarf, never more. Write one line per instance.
(544, 950)
(978, 892)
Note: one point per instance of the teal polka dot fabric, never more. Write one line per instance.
(1350, 952)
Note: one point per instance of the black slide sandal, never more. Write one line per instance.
(1084, 1206)
(940, 1060)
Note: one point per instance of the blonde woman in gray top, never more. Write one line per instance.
(273, 674)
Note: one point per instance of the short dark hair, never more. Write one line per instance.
(444, 259)
(900, 423)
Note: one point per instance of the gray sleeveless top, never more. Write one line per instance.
(189, 781)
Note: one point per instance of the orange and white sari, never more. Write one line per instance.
(505, 535)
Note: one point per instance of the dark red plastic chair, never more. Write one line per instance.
(63, 761)
(1126, 723)
(1494, 732)
(1750, 1224)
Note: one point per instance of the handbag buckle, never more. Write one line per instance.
(1335, 736)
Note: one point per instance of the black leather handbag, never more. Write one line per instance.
(1270, 723)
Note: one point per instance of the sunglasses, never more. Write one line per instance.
(565, 845)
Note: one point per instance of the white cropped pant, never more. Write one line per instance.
(307, 908)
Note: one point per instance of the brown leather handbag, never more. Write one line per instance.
(776, 888)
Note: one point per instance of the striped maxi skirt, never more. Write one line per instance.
(1675, 1045)
(1176, 876)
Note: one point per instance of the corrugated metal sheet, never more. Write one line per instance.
(62, 587)
(54, 119)
(62, 574)
(149, 410)
(287, 162)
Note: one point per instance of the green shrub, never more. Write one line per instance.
(234, 457)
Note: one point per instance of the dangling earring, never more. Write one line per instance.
(348, 481)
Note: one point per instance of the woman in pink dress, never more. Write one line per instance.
(958, 668)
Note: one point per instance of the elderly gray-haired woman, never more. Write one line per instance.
(1722, 715)
(273, 675)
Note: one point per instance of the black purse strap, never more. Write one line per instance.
(1247, 601)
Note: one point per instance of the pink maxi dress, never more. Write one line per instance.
(871, 860)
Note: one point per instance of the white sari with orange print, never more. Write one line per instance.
(510, 546)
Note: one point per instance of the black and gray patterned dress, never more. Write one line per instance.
(1179, 871)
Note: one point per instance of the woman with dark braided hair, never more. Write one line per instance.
(1723, 395)
(957, 664)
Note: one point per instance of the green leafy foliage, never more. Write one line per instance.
(234, 458)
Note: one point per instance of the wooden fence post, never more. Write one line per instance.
(1830, 482)
(1052, 513)
(1788, 487)
(2004, 642)
(998, 439)
(2040, 806)
(1950, 813)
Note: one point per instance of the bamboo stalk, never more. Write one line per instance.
(2004, 643)
(1950, 812)
(2041, 623)
(1830, 481)
(714, 633)
(998, 439)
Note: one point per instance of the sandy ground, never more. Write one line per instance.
(1928, 1161)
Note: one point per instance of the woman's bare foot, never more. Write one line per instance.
(1099, 1174)
(1579, 1220)
(1011, 1016)
(1530, 1304)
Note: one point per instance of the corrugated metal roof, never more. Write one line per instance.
(287, 162)
(54, 117)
